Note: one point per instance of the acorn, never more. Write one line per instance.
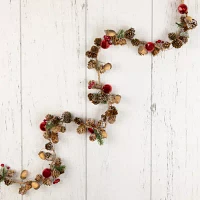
(35, 185)
(42, 155)
(104, 134)
(142, 50)
(110, 33)
(117, 99)
(24, 174)
(188, 19)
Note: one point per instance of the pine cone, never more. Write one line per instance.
(78, 120)
(54, 138)
(49, 156)
(112, 119)
(81, 129)
(67, 117)
(94, 49)
(103, 118)
(166, 45)
(58, 162)
(129, 34)
(90, 122)
(193, 24)
(10, 173)
(172, 36)
(47, 182)
(142, 50)
(8, 181)
(177, 43)
(58, 128)
(47, 135)
(55, 173)
(90, 54)
(38, 177)
(135, 42)
(22, 190)
(97, 41)
(55, 120)
(28, 185)
(49, 117)
(156, 51)
(49, 146)
(90, 96)
(183, 39)
(122, 41)
(92, 137)
(115, 40)
(92, 64)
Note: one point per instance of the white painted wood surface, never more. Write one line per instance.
(152, 152)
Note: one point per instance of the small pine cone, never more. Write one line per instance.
(8, 181)
(122, 41)
(47, 135)
(193, 24)
(38, 177)
(183, 39)
(172, 36)
(47, 182)
(92, 64)
(94, 49)
(129, 34)
(166, 45)
(58, 162)
(55, 173)
(90, 122)
(90, 54)
(28, 185)
(49, 146)
(182, 19)
(103, 118)
(135, 42)
(177, 43)
(92, 137)
(10, 173)
(113, 110)
(67, 117)
(54, 138)
(95, 102)
(112, 119)
(97, 41)
(78, 120)
(115, 40)
(56, 129)
(49, 117)
(156, 51)
(55, 120)
(90, 96)
(81, 129)
(22, 190)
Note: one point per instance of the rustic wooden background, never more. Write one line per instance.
(153, 150)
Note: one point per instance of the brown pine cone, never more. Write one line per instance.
(49, 146)
(135, 42)
(177, 43)
(81, 129)
(122, 41)
(67, 117)
(103, 118)
(47, 135)
(92, 64)
(193, 24)
(8, 181)
(90, 96)
(94, 49)
(54, 138)
(22, 190)
(90, 54)
(49, 117)
(112, 119)
(92, 137)
(115, 40)
(97, 41)
(47, 182)
(183, 39)
(78, 120)
(55, 173)
(156, 51)
(166, 45)
(58, 162)
(56, 129)
(90, 122)
(28, 185)
(129, 34)
(55, 120)
(38, 177)
(172, 36)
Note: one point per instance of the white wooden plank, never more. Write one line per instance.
(121, 168)
(176, 117)
(10, 104)
(54, 81)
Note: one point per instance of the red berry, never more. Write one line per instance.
(105, 44)
(158, 41)
(46, 173)
(91, 84)
(8, 167)
(2, 165)
(107, 88)
(183, 9)
(56, 181)
(43, 126)
(150, 46)
(107, 38)
(91, 130)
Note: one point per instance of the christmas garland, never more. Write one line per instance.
(53, 125)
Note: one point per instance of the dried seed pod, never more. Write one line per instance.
(8, 181)
(104, 134)
(55, 173)
(49, 146)
(166, 45)
(122, 41)
(81, 129)
(135, 42)
(47, 135)
(28, 185)
(78, 120)
(47, 181)
(90, 122)
(117, 99)
(97, 41)
(42, 155)
(35, 185)
(54, 138)
(92, 137)
(142, 50)
(105, 68)
(110, 33)
(10, 173)
(129, 34)
(58, 162)
(38, 177)
(24, 174)
(67, 117)
(22, 190)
